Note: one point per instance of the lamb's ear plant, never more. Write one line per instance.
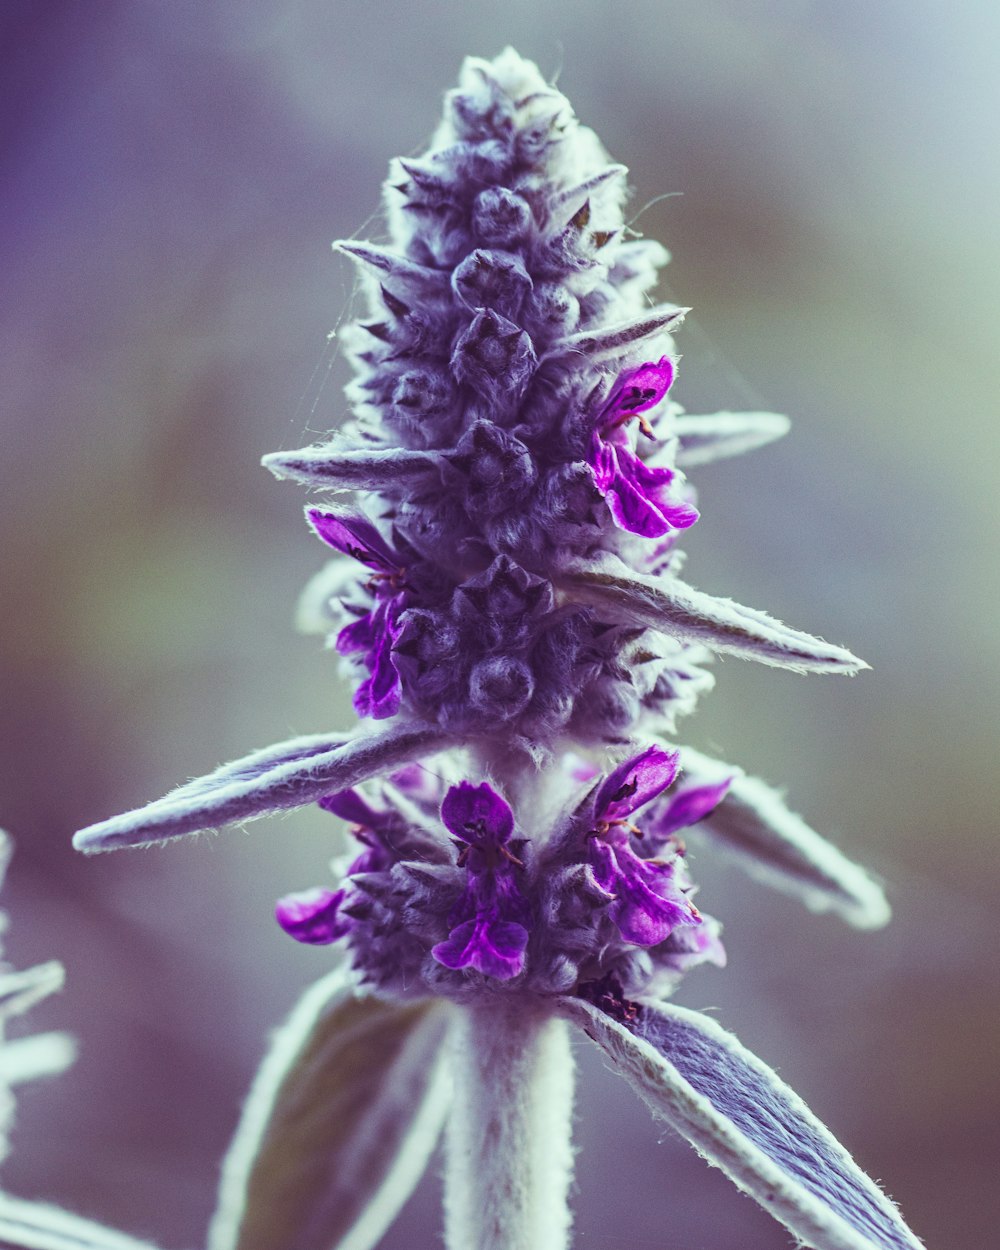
(505, 504)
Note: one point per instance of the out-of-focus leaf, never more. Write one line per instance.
(758, 828)
(37, 1226)
(741, 1117)
(339, 1125)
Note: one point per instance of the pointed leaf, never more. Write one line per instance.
(573, 198)
(754, 823)
(393, 266)
(287, 775)
(350, 468)
(704, 439)
(742, 1118)
(339, 1125)
(615, 340)
(672, 607)
(38, 1226)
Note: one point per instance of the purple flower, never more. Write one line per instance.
(649, 898)
(639, 496)
(488, 922)
(317, 917)
(686, 806)
(510, 289)
(374, 631)
(313, 916)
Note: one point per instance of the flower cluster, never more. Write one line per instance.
(507, 597)
(445, 894)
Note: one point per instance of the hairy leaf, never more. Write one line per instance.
(742, 1118)
(704, 439)
(754, 823)
(339, 1125)
(287, 775)
(38, 1226)
(670, 606)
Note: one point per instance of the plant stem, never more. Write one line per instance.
(509, 1160)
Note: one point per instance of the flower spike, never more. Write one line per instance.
(505, 597)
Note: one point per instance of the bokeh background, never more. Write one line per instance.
(173, 172)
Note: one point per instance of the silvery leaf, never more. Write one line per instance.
(742, 1118)
(397, 269)
(21, 990)
(572, 199)
(38, 1226)
(339, 1125)
(704, 439)
(614, 340)
(41, 1054)
(351, 468)
(754, 823)
(670, 606)
(287, 775)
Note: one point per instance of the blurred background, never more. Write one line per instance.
(171, 177)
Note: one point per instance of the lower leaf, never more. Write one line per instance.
(741, 1117)
(339, 1125)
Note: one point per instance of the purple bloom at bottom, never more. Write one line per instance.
(642, 499)
(488, 923)
(313, 916)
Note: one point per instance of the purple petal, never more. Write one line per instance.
(359, 635)
(477, 815)
(603, 463)
(640, 389)
(644, 916)
(686, 807)
(655, 482)
(635, 782)
(354, 536)
(312, 916)
(633, 511)
(603, 865)
(648, 902)
(379, 694)
(493, 946)
(350, 805)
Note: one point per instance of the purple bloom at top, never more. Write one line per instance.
(374, 632)
(639, 496)
(649, 899)
(488, 923)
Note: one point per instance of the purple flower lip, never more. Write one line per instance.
(488, 925)
(374, 632)
(642, 499)
(313, 916)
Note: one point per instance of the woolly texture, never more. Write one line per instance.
(509, 1161)
(745, 1120)
(507, 598)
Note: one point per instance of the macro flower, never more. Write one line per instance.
(521, 639)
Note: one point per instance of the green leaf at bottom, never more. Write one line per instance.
(339, 1125)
